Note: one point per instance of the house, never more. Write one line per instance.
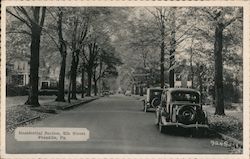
(183, 77)
(18, 71)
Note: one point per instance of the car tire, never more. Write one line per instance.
(155, 102)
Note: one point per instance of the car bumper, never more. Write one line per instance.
(170, 124)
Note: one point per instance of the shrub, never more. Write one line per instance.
(48, 92)
(12, 90)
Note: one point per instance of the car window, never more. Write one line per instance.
(156, 93)
(192, 97)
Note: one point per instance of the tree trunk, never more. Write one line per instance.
(95, 84)
(89, 72)
(63, 52)
(200, 81)
(191, 65)
(73, 81)
(69, 88)
(100, 77)
(83, 89)
(74, 65)
(162, 51)
(36, 28)
(34, 66)
(218, 79)
(172, 50)
(60, 93)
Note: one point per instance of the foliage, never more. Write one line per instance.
(227, 125)
(12, 90)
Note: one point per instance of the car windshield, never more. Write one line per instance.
(191, 97)
(155, 92)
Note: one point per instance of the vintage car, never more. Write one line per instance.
(180, 107)
(153, 98)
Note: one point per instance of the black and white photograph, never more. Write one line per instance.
(160, 79)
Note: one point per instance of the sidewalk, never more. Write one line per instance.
(229, 127)
(238, 114)
(138, 97)
(20, 100)
(18, 114)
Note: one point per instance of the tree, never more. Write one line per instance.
(33, 18)
(221, 18)
(160, 14)
(106, 66)
(172, 47)
(63, 53)
(61, 45)
(80, 25)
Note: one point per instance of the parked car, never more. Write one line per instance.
(181, 107)
(105, 93)
(153, 98)
(128, 93)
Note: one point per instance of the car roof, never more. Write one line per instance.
(182, 89)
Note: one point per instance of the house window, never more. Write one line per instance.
(17, 79)
(23, 66)
(178, 77)
(45, 85)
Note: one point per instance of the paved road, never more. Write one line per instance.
(117, 124)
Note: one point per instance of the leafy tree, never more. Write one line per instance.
(221, 18)
(79, 25)
(33, 18)
(55, 34)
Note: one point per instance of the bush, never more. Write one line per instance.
(12, 90)
(48, 92)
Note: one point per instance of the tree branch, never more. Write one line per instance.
(22, 10)
(19, 18)
(20, 32)
(43, 16)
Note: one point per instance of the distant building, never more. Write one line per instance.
(183, 77)
(18, 72)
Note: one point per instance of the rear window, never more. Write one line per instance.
(191, 97)
(155, 92)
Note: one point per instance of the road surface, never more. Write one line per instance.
(117, 125)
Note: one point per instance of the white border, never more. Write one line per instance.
(246, 70)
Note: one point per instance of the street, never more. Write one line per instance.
(117, 125)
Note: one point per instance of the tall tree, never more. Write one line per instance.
(80, 25)
(160, 14)
(34, 18)
(221, 18)
(172, 46)
(63, 53)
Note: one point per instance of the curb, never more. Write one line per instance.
(235, 142)
(54, 111)
(75, 105)
(27, 120)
